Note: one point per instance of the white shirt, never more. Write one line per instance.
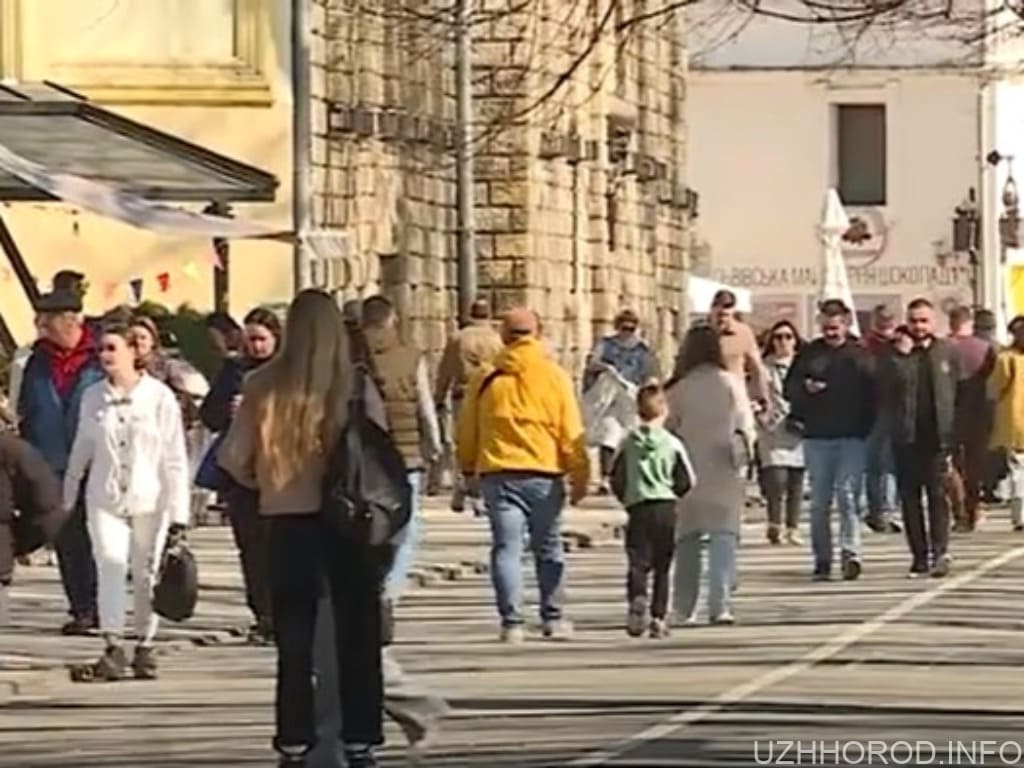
(133, 448)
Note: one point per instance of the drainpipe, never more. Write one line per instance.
(302, 142)
(465, 245)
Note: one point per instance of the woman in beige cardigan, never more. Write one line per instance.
(710, 412)
(292, 412)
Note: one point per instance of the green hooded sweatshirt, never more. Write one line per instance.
(651, 465)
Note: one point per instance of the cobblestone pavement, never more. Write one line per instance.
(884, 659)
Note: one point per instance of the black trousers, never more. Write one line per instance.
(250, 531)
(77, 567)
(303, 555)
(921, 469)
(783, 489)
(650, 547)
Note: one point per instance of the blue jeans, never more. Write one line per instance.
(407, 543)
(880, 477)
(721, 572)
(836, 469)
(517, 502)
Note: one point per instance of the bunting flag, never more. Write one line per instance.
(136, 286)
(164, 281)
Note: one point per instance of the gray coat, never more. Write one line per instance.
(777, 446)
(710, 412)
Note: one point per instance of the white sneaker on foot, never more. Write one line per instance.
(724, 619)
(513, 635)
(558, 630)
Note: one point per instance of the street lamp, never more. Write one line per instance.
(967, 239)
(1009, 222)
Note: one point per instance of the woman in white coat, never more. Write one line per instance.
(130, 446)
(710, 412)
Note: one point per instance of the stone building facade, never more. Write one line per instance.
(580, 195)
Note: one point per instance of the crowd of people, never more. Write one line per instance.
(118, 445)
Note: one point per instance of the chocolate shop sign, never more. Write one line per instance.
(875, 276)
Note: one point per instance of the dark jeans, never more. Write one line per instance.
(923, 468)
(969, 458)
(302, 552)
(77, 568)
(650, 546)
(783, 487)
(250, 531)
(605, 459)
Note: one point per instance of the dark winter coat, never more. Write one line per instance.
(847, 407)
(899, 382)
(31, 509)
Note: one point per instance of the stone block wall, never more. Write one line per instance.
(564, 221)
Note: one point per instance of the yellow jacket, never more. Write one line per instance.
(1006, 387)
(521, 414)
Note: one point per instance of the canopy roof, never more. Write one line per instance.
(66, 133)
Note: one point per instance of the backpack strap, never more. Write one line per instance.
(488, 380)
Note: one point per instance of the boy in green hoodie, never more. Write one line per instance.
(650, 472)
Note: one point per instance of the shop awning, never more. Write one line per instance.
(63, 131)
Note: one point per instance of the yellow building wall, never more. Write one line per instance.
(213, 72)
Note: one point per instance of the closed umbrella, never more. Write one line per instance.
(835, 283)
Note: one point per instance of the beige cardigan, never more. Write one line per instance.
(239, 456)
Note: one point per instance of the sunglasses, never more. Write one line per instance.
(627, 328)
(783, 337)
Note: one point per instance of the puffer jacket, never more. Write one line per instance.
(522, 416)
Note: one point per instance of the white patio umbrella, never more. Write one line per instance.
(835, 284)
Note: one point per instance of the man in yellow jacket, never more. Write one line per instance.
(1006, 388)
(520, 435)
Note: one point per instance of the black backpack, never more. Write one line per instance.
(177, 587)
(366, 497)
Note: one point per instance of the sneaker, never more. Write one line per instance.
(1018, 527)
(292, 757)
(458, 503)
(773, 534)
(851, 569)
(558, 630)
(689, 622)
(361, 756)
(821, 573)
(917, 571)
(144, 663)
(793, 537)
(724, 619)
(876, 524)
(80, 626)
(941, 568)
(513, 634)
(636, 618)
(895, 526)
(658, 629)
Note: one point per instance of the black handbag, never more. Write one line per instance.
(177, 588)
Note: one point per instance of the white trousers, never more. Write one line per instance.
(116, 540)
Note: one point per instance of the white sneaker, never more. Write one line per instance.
(793, 537)
(513, 635)
(689, 621)
(724, 619)
(558, 630)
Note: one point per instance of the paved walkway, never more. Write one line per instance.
(882, 658)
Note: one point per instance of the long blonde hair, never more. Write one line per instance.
(304, 389)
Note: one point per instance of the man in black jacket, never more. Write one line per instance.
(831, 391)
(920, 385)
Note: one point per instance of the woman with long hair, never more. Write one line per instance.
(130, 452)
(292, 413)
(710, 412)
(779, 442)
(187, 384)
(262, 336)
